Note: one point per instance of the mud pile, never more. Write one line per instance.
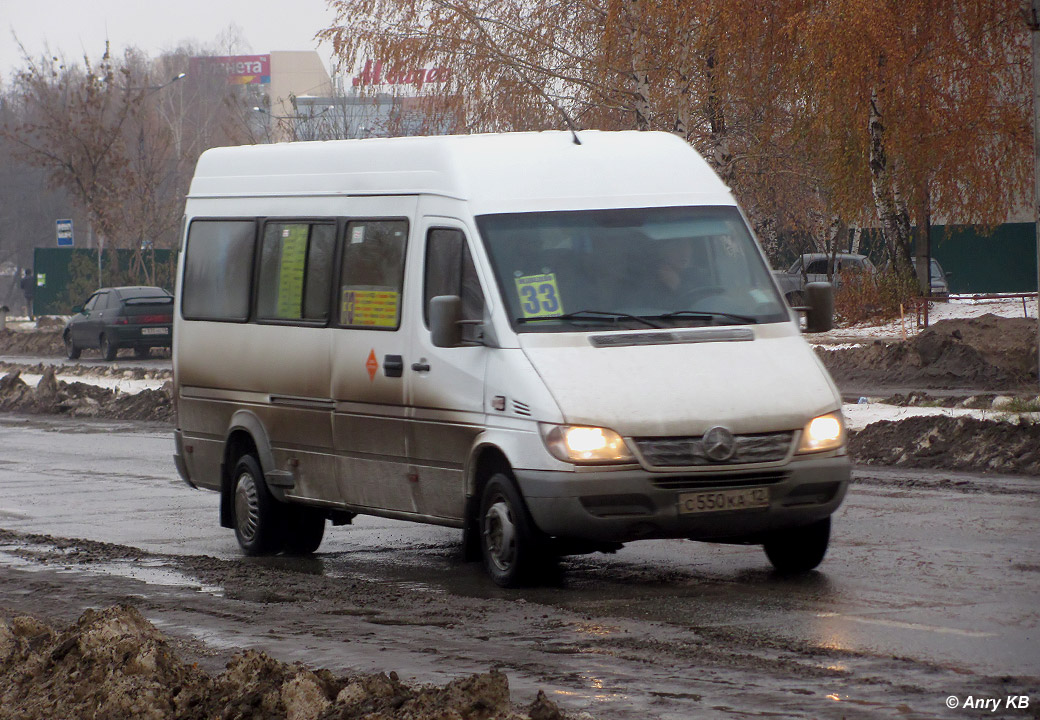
(950, 443)
(38, 342)
(76, 399)
(995, 353)
(115, 664)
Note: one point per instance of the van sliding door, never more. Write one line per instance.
(368, 348)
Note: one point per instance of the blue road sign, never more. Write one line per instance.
(64, 228)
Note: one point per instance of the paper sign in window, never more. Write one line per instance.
(290, 270)
(539, 296)
(369, 307)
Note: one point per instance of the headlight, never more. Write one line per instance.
(826, 432)
(578, 444)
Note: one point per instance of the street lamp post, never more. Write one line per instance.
(149, 91)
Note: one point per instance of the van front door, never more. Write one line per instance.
(370, 425)
(445, 386)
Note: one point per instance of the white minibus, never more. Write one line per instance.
(557, 342)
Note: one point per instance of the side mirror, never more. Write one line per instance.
(77, 309)
(819, 316)
(445, 314)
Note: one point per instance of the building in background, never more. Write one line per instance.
(270, 83)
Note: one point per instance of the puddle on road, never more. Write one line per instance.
(150, 572)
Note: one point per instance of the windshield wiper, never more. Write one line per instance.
(706, 315)
(603, 315)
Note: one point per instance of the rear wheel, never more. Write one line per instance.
(511, 545)
(259, 518)
(800, 549)
(108, 348)
(71, 351)
(304, 529)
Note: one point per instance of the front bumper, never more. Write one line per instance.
(620, 506)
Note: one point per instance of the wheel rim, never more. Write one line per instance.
(68, 343)
(500, 535)
(247, 507)
(104, 344)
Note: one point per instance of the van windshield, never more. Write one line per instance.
(629, 268)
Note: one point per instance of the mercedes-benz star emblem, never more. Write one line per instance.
(719, 444)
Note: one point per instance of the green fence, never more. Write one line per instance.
(1003, 261)
(66, 276)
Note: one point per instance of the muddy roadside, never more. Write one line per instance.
(987, 362)
(617, 657)
(114, 663)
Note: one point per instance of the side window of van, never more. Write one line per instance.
(295, 271)
(218, 269)
(372, 275)
(450, 271)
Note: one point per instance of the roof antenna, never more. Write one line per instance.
(541, 91)
(566, 119)
(556, 106)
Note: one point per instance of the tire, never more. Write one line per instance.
(71, 351)
(109, 350)
(259, 519)
(800, 549)
(511, 546)
(142, 352)
(304, 529)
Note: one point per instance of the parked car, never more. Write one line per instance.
(938, 279)
(121, 317)
(812, 267)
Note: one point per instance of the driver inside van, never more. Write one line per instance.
(673, 261)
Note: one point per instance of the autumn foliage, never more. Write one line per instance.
(819, 113)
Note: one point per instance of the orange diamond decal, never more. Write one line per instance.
(372, 365)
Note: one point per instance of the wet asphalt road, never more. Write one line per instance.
(929, 590)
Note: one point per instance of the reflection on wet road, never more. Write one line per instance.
(929, 590)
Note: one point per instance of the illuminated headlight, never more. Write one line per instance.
(578, 444)
(826, 432)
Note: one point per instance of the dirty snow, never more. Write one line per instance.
(130, 386)
(859, 415)
(1004, 307)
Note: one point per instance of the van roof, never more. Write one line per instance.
(506, 172)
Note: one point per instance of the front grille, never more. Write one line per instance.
(718, 480)
(689, 451)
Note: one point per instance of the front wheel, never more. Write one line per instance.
(259, 518)
(800, 549)
(71, 351)
(304, 529)
(510, 543)
(108, 348)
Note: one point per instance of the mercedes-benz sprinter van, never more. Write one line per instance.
(556, 342)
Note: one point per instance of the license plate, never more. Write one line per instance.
(155, 331)
(721, 500)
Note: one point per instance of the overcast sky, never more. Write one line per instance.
(75, 27)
